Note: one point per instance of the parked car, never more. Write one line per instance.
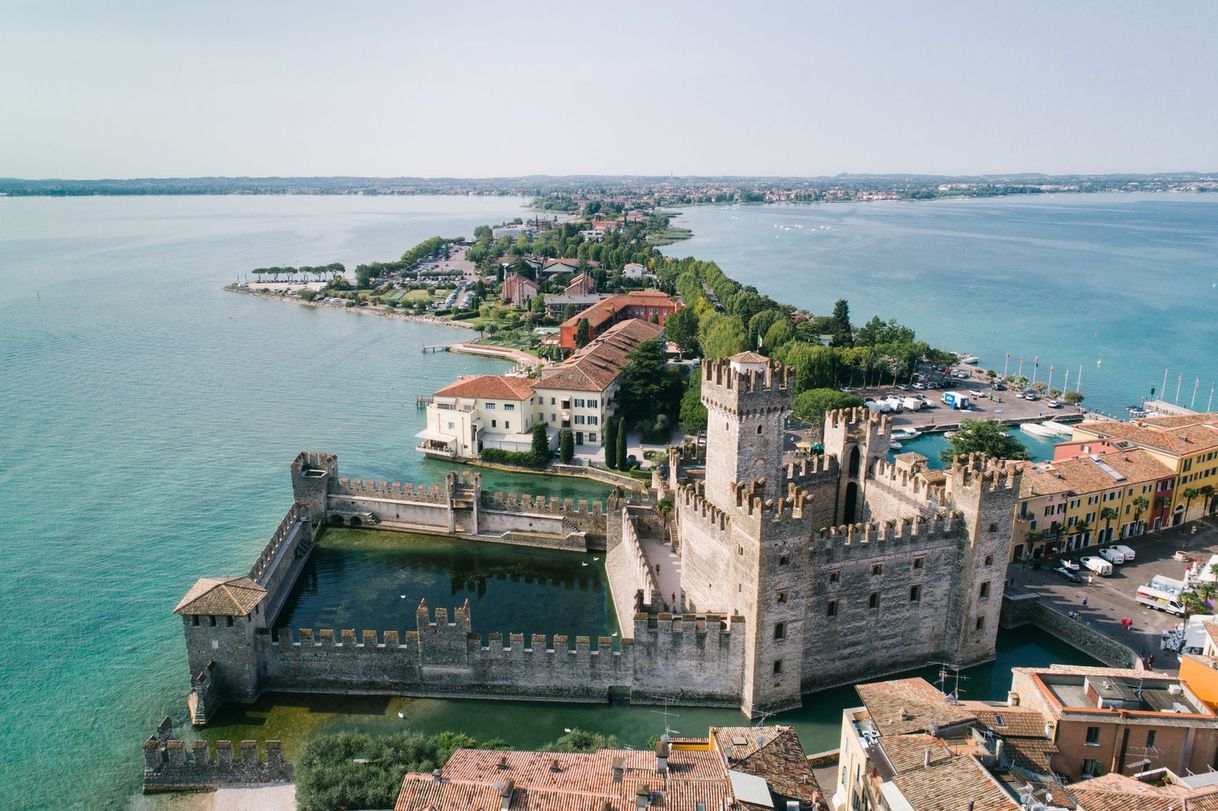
(1098, 565)
(1125, 551)
(1053, 404)
(920, 386)
(1111, 554)
(1000, 386)
(1069, 574)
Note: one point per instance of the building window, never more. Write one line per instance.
(494, 424)
(989, 560)
(994, 527)
(984, 592)
(758, 429)
(877, 569)
(593, 421)
(1150, 739)
(831, 609)
(980, 626)
(490, 406)
(1092, 768)
(1093, 736)
(835, 577)
(740, 550)
(915, 593)
(780, 631)
(919, 563)
(592, 437)
(777, 667)
(507, 425)
(874, 600)
(509, 406)
(782, 598)
(783, 560)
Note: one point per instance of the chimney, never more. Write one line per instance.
(505, 795)
(998, 748)
(970, 804)
(926, 758)
(642, 800)
(435, 777)
(663, 749)
(1012, 698)
(619, 768)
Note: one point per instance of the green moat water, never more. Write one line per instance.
(369, 579)
(293, 718)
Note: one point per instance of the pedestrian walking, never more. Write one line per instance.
(1088, 583)
(1150, 660)
(1084, 601)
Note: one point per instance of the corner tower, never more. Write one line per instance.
(748, 399)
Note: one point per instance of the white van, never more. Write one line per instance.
(1161, 600)
(1125, 551)
(1098, 565)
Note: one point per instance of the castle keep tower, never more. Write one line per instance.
(748, 401)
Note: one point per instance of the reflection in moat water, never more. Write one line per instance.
(367, 579)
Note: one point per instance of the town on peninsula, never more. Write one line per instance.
(764, 538)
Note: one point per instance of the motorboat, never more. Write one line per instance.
(1037, 430)
(1058, 428)
(965, 358)
(904, 435)
(896, 446)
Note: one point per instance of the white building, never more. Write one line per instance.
(513, 231)
(633, 270)
(492, 411)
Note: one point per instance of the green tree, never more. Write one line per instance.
(566, 446)
(693, 414)
(815, 365)
(779, 334)
(363, 276)
(540, 450)
(1108, 515)
(623, 463)
(811, 405)
(583, 333)
(1140, 505)
(842, 331)
(577, 740)
(983, 436)
(647, 386)
(1190, 493)
(721, 336)
(681, 327)
(611, 443)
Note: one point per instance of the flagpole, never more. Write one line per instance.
(1035, 369)
(1163, 388)
(1193, 402)
(1210, 406)
(1005, 364)
(1049, 384)
(1066, 385)
(1079, 386)
(1179, 380)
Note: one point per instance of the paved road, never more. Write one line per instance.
(1111, 598)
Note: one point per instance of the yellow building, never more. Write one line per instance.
(1188, 444)
(1089, 499)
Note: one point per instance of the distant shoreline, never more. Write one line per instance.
(371, 309)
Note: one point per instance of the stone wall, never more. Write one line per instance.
(170, 765)
(631, 580)
(1030, 609)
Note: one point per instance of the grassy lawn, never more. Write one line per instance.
(668, 236)
(415, 295)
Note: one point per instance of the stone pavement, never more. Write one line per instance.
(1109, 599)
(669, 575)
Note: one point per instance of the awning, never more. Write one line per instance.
(434, 436)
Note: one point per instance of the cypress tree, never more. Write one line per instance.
(611, 443)
(566, 446)
(622, 463)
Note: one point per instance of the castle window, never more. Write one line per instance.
(783, 560)
(985, 590)
(739, 549)
(230, 621)
(874, 600)
(777, 667)
(981, 623)
(989, 560)
(195, 619)
(780, 631)
(994, 527)
(877, 569)
(782, 598)
(919, 563)
(915, 593)
(211, 620)
(831, 609)
(759, 429)
(835, 577)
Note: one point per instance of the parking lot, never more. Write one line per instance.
(1111, 598)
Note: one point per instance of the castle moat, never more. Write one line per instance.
(374, 580)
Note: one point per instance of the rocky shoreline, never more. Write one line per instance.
(371, 309)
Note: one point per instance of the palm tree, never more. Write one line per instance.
(1081, 529)
(1139, 505)
(1108, 514)
(1190, 494)
(1206, 492)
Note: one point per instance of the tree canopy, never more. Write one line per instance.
(983, 436)
(811, 405)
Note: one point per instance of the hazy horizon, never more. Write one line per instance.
(156, 90)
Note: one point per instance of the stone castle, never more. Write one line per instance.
(796, 573)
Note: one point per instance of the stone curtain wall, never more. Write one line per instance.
(1030, 608)
(169, 765)
(631, 581)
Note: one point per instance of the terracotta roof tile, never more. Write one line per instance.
(953, 784)
(1180, 435)
(909, 705)
(1082, 475)
(597, 365)
(605, 309)
(221, 597)
(772, 753)
(489, 387)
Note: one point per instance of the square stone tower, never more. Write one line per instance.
(748, 400)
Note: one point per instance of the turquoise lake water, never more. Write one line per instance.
(1123, 285)
(148, 417)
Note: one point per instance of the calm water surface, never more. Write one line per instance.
(1123, 286)
(149, 417)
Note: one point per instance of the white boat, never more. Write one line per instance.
(904, 435)
(1037, 430)
(896, 446)
(1058, 428)
(965, 358)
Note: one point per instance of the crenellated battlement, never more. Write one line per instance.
(298, 512)
(910, 481)
(729, 388)
(314, 461)
(864, 539)
(713, 626)
(694, 502)
(359, 488)
(171, 765)
(980, 470)
(515, 502)
(858, 418)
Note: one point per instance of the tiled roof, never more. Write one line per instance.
(1180, 435)
(1018, 722)
(490, 387)
(1032, 754)
(597, 365)
(605, 309)
(221, 597)
(908, 752)
(1082, 475)
(909, 705)
(1117, 792)
(474, 779)
(749, 357)
(567, 265)
(772, 753)
(960, 782)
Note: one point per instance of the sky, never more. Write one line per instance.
(164, 88)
